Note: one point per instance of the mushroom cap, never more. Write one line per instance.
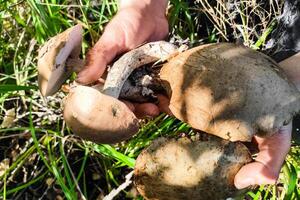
(185, 169)
(52, 72)
(98, 117)
(230, 91)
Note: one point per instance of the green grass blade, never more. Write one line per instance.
(24, 186)
(10, 88)
(108, 150)
(291, 178)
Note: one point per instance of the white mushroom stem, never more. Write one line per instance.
(291, 66)
(122, 68)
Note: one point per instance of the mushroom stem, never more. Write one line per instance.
(122, 68)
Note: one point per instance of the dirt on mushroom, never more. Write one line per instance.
(186, 169)
(52, 58)
(230, 91)
(98, 117)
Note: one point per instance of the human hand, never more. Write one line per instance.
(272, 150)
(270, 157)
(266, 167)
(135, 23)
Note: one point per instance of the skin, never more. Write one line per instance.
(143, 21)
(134, 24)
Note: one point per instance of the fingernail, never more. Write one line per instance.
(241, 184)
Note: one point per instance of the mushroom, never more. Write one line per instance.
(186, 169)
(90, 112)
(223, 89)
(230, 91)
(54, 57)
(98, 117)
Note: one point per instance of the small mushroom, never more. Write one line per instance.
(186, 169)
(53, 70)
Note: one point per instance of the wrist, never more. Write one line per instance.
(156, 7)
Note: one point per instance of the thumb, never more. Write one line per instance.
(269, 160)
(104, 51)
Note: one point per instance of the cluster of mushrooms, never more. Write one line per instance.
(223, 89)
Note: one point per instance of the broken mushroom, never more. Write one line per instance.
(223, 89)
(99, 115)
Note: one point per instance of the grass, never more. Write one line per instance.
(40, 158)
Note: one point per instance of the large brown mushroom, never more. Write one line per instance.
(230, 91)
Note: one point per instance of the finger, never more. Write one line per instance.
(145, 110)
(95, 66)
(163, 104)
(109, 45)
(162, 31)
(267, 165)
(129, 105)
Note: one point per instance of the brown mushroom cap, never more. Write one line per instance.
(98, 117)
(52, 72)
(185, 169)
(230, 91)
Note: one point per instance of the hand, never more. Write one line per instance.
(136, 22)
(272, 150)
(270, 157)
(269, 160)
